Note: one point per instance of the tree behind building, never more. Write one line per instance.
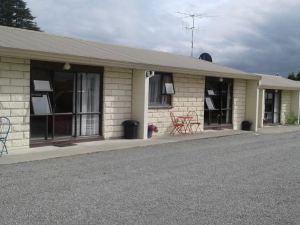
(14, 13)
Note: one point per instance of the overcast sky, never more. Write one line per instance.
(260, 36)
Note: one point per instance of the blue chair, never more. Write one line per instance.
(5, 127)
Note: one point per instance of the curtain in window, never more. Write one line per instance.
(88, 94)
(155, 87)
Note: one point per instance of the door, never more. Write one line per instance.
(218, 102)
(65, 104)
(272, 107)
(87, 106)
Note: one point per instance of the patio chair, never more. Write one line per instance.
(194, 122)
(5, 127)
(177, 125)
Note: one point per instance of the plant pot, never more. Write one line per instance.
(149, 134)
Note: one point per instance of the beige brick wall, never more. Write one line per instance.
(239, 103)
(117, 99)
(14, 99)
(189, 96)
(286, 98)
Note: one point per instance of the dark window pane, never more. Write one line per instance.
(63, 94)
(160, 89)
(41, 127)
(63, 125)
(155, 90)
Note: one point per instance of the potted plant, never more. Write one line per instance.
(151, 128)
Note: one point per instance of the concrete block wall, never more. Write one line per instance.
(252, 99)
(239, 103)
(15, 99)
(189, 96)
(286, 99)
(261, 108)
(117, 100)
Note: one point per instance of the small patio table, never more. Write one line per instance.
(186, 120)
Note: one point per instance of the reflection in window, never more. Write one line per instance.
(41, 105)
(210, 92)
(41, 85)
(209, 103)
(169, 88)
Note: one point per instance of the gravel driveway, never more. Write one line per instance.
(244, 179)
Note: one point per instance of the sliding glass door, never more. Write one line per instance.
(218, 102)
(87, 105)
(272, 107)
(63, 83)
(65, 104)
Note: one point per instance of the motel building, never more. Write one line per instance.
(278, 101)
(55, 89)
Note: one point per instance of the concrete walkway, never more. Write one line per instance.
(278, 129)
(49, 152)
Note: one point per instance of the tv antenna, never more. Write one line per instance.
(192, 28)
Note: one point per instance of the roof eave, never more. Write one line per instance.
(56, 57)
(279, 88)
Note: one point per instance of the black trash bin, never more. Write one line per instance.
(246, 125)
(131, 129)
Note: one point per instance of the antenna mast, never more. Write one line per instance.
(192, 28)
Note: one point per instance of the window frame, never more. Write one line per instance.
(161, 105)
(50, 69)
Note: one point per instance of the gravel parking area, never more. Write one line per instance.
(245, 179)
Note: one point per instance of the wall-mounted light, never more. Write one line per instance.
(67, 66)
(149, 74)
(221, 79)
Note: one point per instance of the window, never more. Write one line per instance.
(218, 102)
(161, 88)
(41, 85)
(209, 103)
(65, 104)
(41, 105)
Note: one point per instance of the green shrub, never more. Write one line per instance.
(291, 119)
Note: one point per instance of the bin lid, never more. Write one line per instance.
(246, 122)
(131, 123)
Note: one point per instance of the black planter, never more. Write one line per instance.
(149, 134)
(246, 125)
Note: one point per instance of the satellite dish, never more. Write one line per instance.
(205, 56)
